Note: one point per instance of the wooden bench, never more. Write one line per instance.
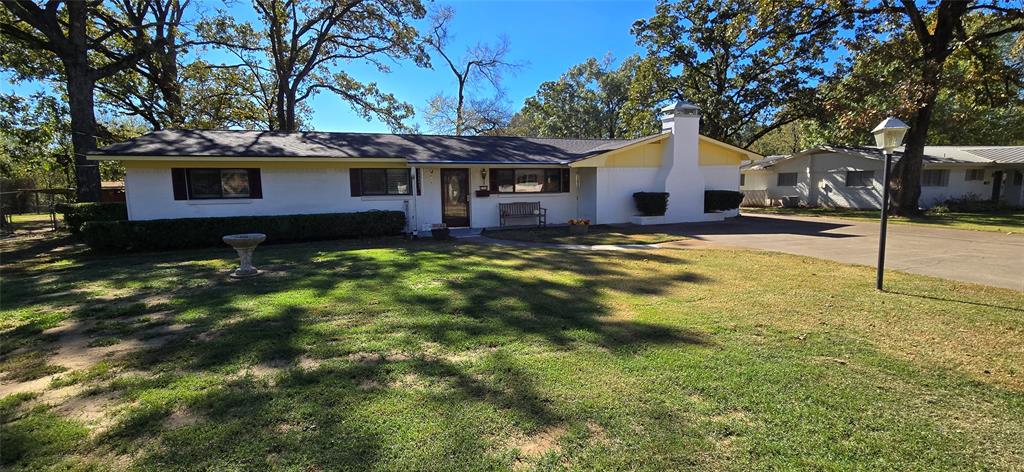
(523, 210)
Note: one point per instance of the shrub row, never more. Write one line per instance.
(207, 232)
(721, 200)
(651, 203)
(77, 214)
(970, 203)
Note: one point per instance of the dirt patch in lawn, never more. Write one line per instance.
(535, 445)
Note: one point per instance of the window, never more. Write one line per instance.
(934, 178)
(529, 180)
(786, 179)
(975, 174)
(380, 182)
(1018, 177)
(209, 184)
(743, 180)
(860, 178)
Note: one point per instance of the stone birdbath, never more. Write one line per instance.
(245, 244)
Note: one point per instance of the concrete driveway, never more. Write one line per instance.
(987, 258)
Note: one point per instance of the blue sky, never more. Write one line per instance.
(549, 37)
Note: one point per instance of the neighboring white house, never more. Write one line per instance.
(456, 180)
(850, 177)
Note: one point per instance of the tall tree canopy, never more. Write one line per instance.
(481, 64)
(590, 100)
(944, 39)
(751, 66)
(78, 43)
(297, 47)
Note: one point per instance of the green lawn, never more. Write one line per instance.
(398, 356)
(1003, 222)
(597, 234)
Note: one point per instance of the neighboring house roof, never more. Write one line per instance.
(932, 155)
(415, 148)
(997, 154)
(765, 163)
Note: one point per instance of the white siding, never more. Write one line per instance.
(149, 195)
(958, 186)
(821, 181)
(721, 177)
(615, 189)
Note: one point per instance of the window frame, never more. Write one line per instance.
(943, 180)
(979, 175)
(358, 181)
(778, 179)
(184, 190)
(867, 182)
(563, 180)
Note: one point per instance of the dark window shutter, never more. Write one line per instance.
(255, 184)
(492, 177)
(565, 180)
(419, 175)
(179, 182)
(355, 177)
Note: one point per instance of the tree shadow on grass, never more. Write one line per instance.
(471, 296)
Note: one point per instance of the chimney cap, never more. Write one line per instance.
(681, 107)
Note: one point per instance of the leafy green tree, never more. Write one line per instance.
(587, 101)
(295, 50)
(750, 66)
(980, 98)
(938, 31)
(77, 43)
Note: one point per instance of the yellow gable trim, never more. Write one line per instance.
(646, 153)
(712, 152)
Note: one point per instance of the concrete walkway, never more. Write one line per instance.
(987, 258)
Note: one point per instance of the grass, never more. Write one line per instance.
(397, 355)
(597, 234)
(1002, 222)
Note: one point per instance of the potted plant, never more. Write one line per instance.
(439, 232)
(579, 226)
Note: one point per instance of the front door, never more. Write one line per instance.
(997, 185)
(455, 197)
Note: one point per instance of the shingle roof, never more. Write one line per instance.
(416, 148)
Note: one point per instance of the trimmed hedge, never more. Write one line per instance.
(651, 203)
(721, 200)
(155, 235)
(77, 214)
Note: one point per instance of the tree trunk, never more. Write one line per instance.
(80, 86)
(282, 103)
(83, 132)
(459, 123)
(170, 86)
(906, 178)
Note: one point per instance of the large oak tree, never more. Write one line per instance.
(939, 30)
(78, 43)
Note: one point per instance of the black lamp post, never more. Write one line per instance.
(888, 136)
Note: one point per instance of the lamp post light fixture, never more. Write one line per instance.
(888, 136)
